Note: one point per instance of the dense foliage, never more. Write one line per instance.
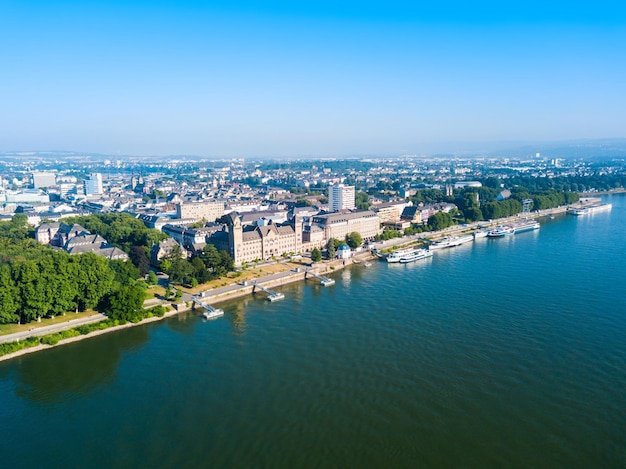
(481, 203)
(125, 232)
(201, 268)
(120, 229)
(388, 233)
(39, 281)
(361, 200)
(439, 221)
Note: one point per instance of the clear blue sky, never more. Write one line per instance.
(274, 79)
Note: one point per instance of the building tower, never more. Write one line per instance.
(340, 197)
(93, 184)
(235, 237)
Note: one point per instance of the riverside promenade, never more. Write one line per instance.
(51, 329)
(209, 296)
(243, 288)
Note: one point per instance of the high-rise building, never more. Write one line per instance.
(340, 197)
(41, 179)
(93, 184)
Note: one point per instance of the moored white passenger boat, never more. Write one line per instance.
(395, 256)
(480, 234)
(501, 231)
(450, 241)
(590, 209)
(526, 225)
(415, 255)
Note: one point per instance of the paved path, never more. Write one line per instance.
(238, 286)
(44, 330)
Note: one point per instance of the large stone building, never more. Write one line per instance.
(247, 243)
(96, 244)
(262, 242)
(390, 211)
(338, 225)
(58, 234)
(75, 239)
(210, 211)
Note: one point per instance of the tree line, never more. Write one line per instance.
(38, 281)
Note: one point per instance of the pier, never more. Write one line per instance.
(325, 281)
(209, 311)
(271, 294)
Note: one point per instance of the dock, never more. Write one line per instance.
(209, 311)
(325, 281)
(271, 294)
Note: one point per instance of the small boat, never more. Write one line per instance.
(480, 234)
(213, 313)
(276, 296)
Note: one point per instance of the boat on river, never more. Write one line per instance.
(450, 241)
(212, 313)
(415, 255)
(589, 210)
(526, 225)
(501, 231)
(395, 256)
(480, 234)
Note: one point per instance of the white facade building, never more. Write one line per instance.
(41, 179)
(93, 184)
(340, 197)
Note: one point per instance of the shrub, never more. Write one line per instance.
(51, 339)
(158, 311)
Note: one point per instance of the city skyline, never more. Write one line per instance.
(274, 79)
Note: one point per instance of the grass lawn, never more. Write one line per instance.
(244, 276)
(12, 328)
(155, 291)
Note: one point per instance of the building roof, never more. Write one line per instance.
(340, 217)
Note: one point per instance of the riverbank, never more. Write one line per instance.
(212, 296)
(295, 273)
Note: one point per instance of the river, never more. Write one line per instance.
(504, 352)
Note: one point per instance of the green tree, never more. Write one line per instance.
(126, 304)
(64, 291)
(439, 221)
(33, 292)
(473, 214)
(330, 247)
(181, 271)
(354, 240)
(316, 255)
(125, 272)
(152, 278)
(94, 280)
(8, 296)
(361, 200)
(140, 259)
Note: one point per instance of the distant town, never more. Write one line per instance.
(123, 240)
(258, 210)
